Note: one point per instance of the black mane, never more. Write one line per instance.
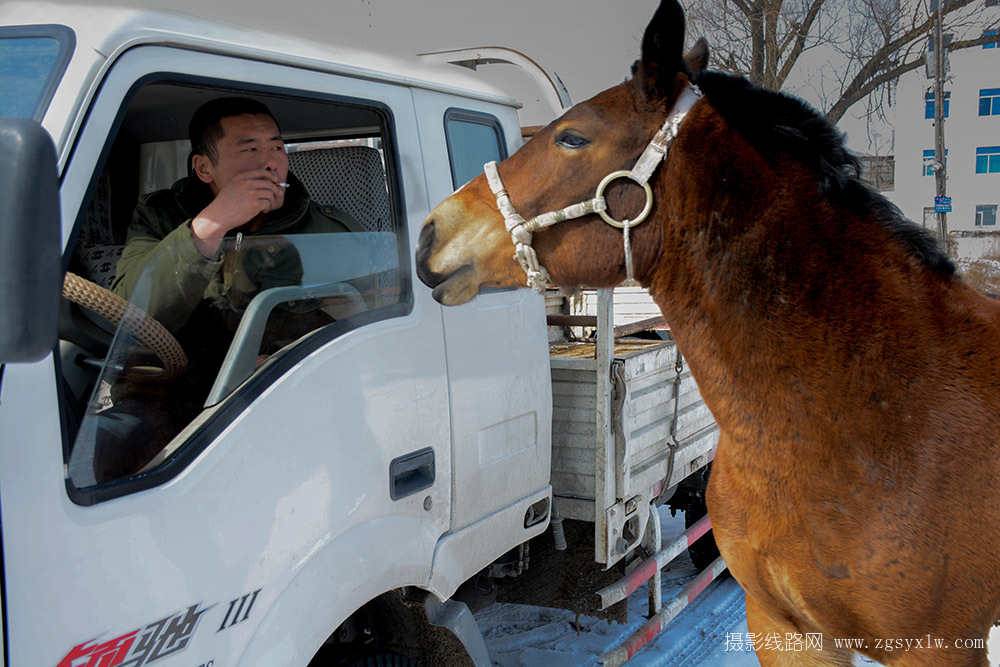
(773, 121)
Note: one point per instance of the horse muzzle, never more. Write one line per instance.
(449, 289)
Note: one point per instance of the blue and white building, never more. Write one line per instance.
(972, 140)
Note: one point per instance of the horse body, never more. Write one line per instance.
(855, 379)
(858, 396)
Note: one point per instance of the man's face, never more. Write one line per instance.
(248, 143)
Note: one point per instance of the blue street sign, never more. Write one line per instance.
(942, 204)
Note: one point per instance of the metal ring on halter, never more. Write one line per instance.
(645, 211)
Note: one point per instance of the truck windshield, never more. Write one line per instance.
(31, 64)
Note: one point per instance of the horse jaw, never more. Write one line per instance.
(463, 247)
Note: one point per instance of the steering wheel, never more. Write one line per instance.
(137, 322)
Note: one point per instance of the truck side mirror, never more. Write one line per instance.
(30, 243)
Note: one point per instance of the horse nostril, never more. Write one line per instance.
(425, 246)
(428, 235)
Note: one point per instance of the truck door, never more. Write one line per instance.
(256, 528)
(497, 344)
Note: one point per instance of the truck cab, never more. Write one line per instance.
(343, 476)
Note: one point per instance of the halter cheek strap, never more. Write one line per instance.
(521, 230)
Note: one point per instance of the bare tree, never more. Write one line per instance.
(863, 46)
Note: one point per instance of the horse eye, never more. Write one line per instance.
(571, 140)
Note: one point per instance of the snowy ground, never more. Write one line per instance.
(525, 636)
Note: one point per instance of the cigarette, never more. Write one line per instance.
(284, 185)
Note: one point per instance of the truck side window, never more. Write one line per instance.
(473, 140)
(243, 318)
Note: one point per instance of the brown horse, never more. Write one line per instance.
(854, 376)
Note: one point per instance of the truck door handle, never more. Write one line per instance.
(411, 473)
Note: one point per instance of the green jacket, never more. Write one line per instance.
(185, 281)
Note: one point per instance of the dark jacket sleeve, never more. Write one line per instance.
(163, 252)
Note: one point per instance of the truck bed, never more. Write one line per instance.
(660, 431)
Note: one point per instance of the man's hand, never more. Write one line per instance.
(240, 201)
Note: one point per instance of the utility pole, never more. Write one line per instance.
(940, 172)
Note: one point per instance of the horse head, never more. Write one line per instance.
(466, 244)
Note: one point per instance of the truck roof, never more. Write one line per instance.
(109, 30)
(103, 33)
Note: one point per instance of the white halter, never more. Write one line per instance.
(521, 229)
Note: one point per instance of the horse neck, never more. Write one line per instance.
(767, 284)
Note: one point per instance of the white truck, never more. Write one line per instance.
(341, 494)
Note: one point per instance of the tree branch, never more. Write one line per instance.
(879, 40)
(969, 43)
(852, 95)
(743, 7)
(800, 42)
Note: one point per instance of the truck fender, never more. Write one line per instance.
(380, 555)
(457, 617)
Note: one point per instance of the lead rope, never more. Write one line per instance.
(521, 230)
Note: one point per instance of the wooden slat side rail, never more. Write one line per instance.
(571, 320)
(621, 330)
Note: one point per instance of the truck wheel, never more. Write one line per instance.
(704, 551)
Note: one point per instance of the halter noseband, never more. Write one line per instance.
(521, 229)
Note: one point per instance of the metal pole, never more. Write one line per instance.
(631, 582)
(656, 583)
(604, 464)
(940, 176)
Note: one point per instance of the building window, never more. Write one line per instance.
(878, 172)
(989, 102)
(986, 216)
(988, 160)
(929, 104)
(929, 161)
(930, 218)
(990, 33)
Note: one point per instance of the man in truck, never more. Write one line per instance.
(208, 244)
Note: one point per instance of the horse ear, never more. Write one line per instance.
(697, 58)
(662, 49)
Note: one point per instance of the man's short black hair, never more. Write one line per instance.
(205, 128)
